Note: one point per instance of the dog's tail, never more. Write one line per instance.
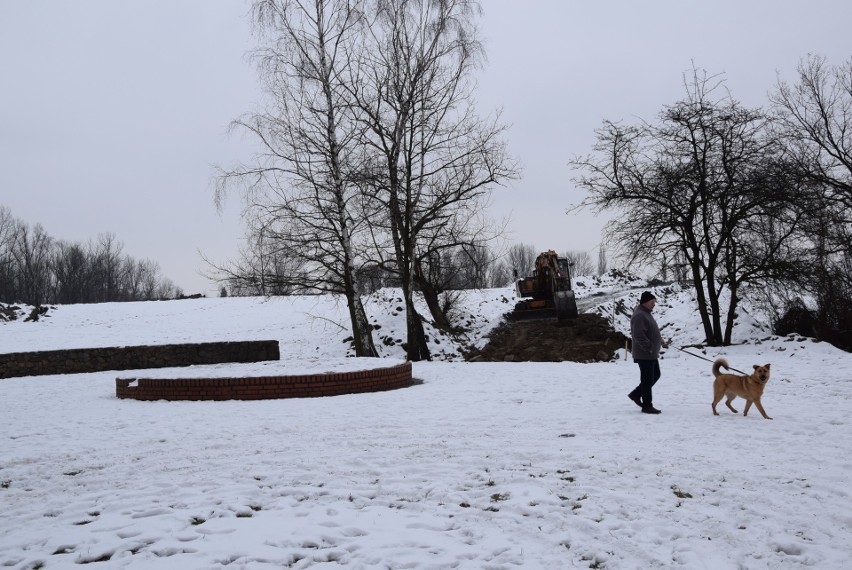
(720, 363)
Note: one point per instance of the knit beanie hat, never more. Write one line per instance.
(646, 296)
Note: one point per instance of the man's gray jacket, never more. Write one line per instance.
(645, 335)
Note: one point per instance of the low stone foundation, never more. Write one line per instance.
(77, 360)
(267, 387)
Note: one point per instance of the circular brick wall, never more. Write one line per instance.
(266, 387)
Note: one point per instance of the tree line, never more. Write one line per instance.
(37, 269)
(455, 270)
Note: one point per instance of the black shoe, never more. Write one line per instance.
(636, 399)
(650, 410)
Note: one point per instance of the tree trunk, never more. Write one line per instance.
(362, 331)
(732, 312)
(713, 298)
(415, 347)
(701, 298)
(430, 295)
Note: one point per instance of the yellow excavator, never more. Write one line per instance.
(547, 292)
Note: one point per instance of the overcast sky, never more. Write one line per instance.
(112, 114)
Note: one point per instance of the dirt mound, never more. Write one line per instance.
(588, 338)
(9, 312)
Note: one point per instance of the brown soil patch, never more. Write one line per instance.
(588, 338)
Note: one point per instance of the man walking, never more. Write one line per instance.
(646, 339)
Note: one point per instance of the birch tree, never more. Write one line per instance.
(298, 191)
(432, 159)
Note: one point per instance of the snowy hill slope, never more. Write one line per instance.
(296, 321)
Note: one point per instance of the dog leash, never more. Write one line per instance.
(707, 359)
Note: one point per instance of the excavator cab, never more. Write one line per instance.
(548, 291)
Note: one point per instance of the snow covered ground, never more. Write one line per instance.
(483, 465)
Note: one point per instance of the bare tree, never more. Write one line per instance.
(151, 284)
(266, 264)
(166, 289)
(472, 266)
(31, 253)
(73, 276)
(299, 191)
(431, 156)
(8, 227)
(813, 120)
(522, 259)
(501, 275)
(454, 255)
(136, 275)
(581, 262)
(602, 262)
(706, 183)
(131, 279)
(107, 267)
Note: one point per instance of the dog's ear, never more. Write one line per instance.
(755, 366)
(767, 366)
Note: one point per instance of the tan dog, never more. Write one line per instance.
(748, 387)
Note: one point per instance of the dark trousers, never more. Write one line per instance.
(649, 373)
